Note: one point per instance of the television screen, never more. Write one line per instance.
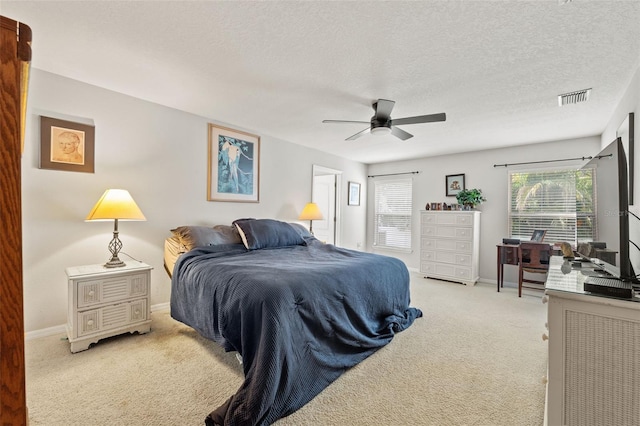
(616, 226)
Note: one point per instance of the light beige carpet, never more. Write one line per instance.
(475, 358)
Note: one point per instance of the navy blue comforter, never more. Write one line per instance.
(300, 316)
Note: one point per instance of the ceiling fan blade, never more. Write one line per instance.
(357, 135)
(399, 133)
(383, 109)
(419, 119)
(344, 121)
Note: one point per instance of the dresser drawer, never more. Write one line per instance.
(447, 232)
(452, 257)
(446, 244)
(92, 292)
(112, 316)
(447, 218)
(445, 271)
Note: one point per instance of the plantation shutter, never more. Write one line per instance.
(559, 201)
(393, 204)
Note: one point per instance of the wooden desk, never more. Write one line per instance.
(507, 254)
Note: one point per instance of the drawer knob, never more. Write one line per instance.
(545, 299)
(545, 380)
(137, 312)
(90, 322)
(91, 293)
(545, 337)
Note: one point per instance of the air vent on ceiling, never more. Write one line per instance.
(574, 97)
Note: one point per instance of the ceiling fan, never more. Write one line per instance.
(381, 122)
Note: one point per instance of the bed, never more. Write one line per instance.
(298, 311)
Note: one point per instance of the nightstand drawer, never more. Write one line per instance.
(109, 317)
(98, 291)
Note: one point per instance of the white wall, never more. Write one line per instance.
(159, 154)
(429, 186)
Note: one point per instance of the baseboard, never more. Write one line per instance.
(44, 332)
(161, 307)
(58, 329)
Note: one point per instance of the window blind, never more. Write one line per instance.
(393, 204)
(560, 201)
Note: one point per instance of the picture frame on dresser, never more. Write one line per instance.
(454, 184)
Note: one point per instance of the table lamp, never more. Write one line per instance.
(115, 204)
(311, 212)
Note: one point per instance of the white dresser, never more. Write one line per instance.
(450, 245)
(594, 354)
(105, 302)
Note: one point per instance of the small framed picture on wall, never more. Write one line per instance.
(354, 194)
(455, 184)
(67, 146)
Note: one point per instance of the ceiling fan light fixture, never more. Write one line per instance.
(382, 130)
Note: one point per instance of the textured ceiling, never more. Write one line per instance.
(279, 68)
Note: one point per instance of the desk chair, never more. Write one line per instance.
(533, 258)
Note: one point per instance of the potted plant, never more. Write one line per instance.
(470, 198)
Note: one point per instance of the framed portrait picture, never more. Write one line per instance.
(538, 235)
(455, 184)
(234, 166)
(625, 132)
(65, 145)
(354, 194)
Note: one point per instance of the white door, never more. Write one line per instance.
(324, 195)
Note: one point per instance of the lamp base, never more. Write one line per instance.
(114, 247)
(114, 262)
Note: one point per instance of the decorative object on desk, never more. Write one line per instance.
(625, 132)
(354, 194)
(470, 198)
(65, 145)
(311, 212)
(567, 251)
(234, 165)
(454, 184)
(427, 207)
(566, 267)
(115, 204)
(538, 235)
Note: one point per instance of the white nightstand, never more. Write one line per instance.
(105, 302)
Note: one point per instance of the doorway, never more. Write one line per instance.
(325, 192)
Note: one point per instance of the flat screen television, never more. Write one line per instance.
(614, 214)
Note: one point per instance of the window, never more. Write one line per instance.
(393, 203)
(560, 201)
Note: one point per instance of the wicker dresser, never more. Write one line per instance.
(594, 354)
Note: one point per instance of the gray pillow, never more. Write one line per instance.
(197, 236)
(304, 232)
(267, 233)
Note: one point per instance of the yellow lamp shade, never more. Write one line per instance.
(311, 212)
(115, 204)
